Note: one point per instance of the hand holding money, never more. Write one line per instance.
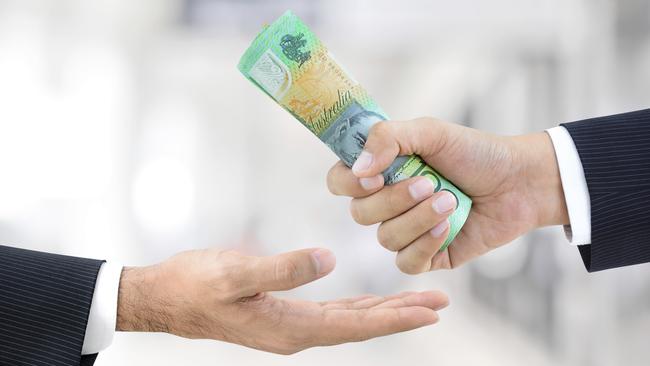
(514, 183)
(289, 63)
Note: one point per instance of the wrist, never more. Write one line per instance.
(542, 179)
(139, 308)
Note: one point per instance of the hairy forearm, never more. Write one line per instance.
(542, 177)
(139, 309)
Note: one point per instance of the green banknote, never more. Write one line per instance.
(290, 64)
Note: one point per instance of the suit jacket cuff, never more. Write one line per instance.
(103, 310)
(574, 184)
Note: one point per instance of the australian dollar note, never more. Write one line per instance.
(290, 64)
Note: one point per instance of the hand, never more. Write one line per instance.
(222, 295)
(514, 183)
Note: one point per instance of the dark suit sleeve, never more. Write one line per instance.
(615, 155)
(44, 305)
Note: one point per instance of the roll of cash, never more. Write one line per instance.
(290, 64)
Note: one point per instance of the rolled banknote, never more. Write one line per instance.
(293, 67)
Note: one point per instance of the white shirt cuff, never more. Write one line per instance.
(103, 311)
(574, 184)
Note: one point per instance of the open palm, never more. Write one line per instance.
(227, 296)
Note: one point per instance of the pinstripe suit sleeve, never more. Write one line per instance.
(615, 156)
(44, 304)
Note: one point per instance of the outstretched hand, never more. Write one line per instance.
(224, 295)
(514, 183)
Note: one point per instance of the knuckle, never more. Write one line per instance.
(230, 289)
(422, 224)
(231, 275)
(420, 252)
(386, 238)
(391, 199)
(226, 274)
(288, 270)
(357, 213)
(379, 129)
(228, 257)
(407, 266)
(332, 182)
(426, 217)
(432, 125)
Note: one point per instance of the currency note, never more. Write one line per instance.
(290, 64)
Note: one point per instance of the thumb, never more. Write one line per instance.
(289, 270)
(387, 140)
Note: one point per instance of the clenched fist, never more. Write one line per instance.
(514, 183)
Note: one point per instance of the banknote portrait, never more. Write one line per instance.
(348, 134)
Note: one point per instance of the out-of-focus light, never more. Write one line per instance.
(163, 196)
(58, 116)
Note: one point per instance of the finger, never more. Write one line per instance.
(416, 257)
(371, 301)
(398, 314)
(359, 325)
(348, 300)
(391, 201)
(289, 270)
(397, 233)
(435, 300)
(307, 324)
(342, 182)
(387, 140)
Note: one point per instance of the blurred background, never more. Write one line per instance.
(127, 133)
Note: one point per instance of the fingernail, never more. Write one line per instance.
(363, 162)
(372, 182)
(445, 202)
(439, 229)
(324, 260)
(421, 189)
